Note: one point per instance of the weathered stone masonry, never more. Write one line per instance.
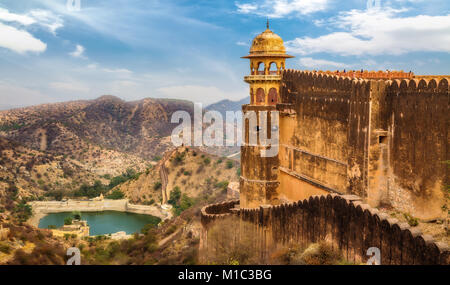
(383, 140)
(344, 221)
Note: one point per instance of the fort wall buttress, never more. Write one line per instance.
(385, 141)
(417, 118)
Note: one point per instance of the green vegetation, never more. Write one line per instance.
(98, 188)
(180, 202)
(116, 195)
(11, 127)
(22, 211)
(154, 221)
(157, 158)
(179, 158)
(76, 215)
(413, 222)
(5, 248)
(68, 221)
(222, 185)
(207, 161)
(157, 185)
(230, 164)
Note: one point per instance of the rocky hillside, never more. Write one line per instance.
(190, 172)
(107, 122)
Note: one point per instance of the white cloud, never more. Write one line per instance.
(243, 44)
(47, 19)
(17, 38)
(43, 18)
(117, 70)
(6, 16)
(310, 62)
(379, 31)
(247, 8)
(203, 94)
(282, 8)
(78, 52)
(19, 41)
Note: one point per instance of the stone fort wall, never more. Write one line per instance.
(383, 140)
(344, 221)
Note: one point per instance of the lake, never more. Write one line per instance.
(102, 223)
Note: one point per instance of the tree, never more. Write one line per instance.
(68, 221)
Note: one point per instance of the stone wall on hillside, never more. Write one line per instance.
(343, 221)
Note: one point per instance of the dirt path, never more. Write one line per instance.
(165, 240)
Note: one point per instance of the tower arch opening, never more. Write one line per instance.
(261, 67)
(260, 96)
(273, 68)
(273, 96)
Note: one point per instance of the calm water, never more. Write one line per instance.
(102, 223)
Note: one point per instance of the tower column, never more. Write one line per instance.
(259, 179)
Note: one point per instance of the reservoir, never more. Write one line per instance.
(102, 223)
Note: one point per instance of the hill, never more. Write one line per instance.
(228, 105)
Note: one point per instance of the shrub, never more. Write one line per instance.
(23, 211)
(207, 161)
(116, 195)
(5, 248)
(229, 164)
(413, 222)
(157, 185)
(68, 221)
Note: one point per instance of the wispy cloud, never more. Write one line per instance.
(282, 8)
(377, 32)
(78, 52)
(70, 86)
(310, 62)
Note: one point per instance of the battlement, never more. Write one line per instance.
(343, 221)
(365, 74)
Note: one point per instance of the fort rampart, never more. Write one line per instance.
(383, 139)
(344, 221)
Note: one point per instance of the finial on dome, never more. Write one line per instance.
(267, 22)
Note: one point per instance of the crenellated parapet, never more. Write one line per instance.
(344, 221)
(215, 212)
(365, 74)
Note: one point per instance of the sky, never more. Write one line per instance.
(63, 50)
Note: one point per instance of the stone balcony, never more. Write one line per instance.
(259, 77)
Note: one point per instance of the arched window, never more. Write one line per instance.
(273, 96)
(273, 69)
(261, 68)
(260, 94)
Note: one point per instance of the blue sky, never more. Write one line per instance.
(133, 49)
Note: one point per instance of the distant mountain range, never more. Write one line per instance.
(228, 105)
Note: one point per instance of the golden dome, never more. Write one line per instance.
(268, 43)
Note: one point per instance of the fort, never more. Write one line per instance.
(349, 142)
